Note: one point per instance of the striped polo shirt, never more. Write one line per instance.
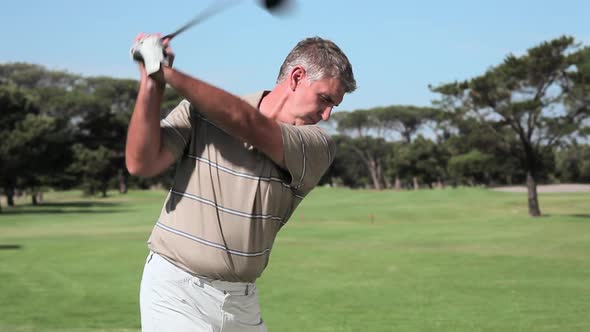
(229, 200)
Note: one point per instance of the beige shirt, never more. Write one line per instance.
(229, 200)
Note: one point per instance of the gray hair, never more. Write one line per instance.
(321, 58)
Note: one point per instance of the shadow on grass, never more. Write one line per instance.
(576, 215)
(64, 207)
(10, 246)
(583, 216)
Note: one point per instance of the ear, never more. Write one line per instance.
(296, 76)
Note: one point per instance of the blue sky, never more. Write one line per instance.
(396, 48)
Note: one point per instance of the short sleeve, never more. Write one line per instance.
(176, 128)
(308, 152)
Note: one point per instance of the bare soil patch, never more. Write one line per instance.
(549, 188)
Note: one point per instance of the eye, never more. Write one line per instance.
(325, 99)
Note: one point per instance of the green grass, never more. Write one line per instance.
(432, 260)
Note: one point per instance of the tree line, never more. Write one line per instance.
(61, 130)
(524, 121)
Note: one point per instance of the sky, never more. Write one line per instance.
(397, 48)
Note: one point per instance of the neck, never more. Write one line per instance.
(274, 105)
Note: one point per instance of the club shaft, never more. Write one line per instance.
(213, 9)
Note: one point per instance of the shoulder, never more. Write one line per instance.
(309, 134)
(254, 98)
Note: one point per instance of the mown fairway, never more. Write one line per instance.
(432, 260)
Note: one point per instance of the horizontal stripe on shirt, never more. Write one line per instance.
(244, 175)
(227, 210)
(212, 244)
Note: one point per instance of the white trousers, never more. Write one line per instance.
(173, 300)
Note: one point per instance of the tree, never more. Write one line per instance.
(15, 106)
(472, 167)
(468, 138)
(358, 125)
(573, 163)
(541, 97)
(92, 111)
(347, 168)
(406, 121)
(421, 161)
(31, 77)
(94, 167)
(105, 125)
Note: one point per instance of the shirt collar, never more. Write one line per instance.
(254, 99)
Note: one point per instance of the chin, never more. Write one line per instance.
(305, 121)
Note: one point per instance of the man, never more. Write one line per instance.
(244, 164)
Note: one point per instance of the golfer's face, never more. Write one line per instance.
(317, 99)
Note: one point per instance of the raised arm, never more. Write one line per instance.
(145, 155)
(230, 113)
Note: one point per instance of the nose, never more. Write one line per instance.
(326, 113)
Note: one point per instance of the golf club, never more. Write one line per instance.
(216, 7)
(271, 6)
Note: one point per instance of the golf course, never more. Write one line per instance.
(463, 259)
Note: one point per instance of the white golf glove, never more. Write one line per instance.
(150, 51)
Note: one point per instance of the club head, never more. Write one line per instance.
(276, 6)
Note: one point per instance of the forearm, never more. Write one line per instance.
(231, 113)
(143, 136)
